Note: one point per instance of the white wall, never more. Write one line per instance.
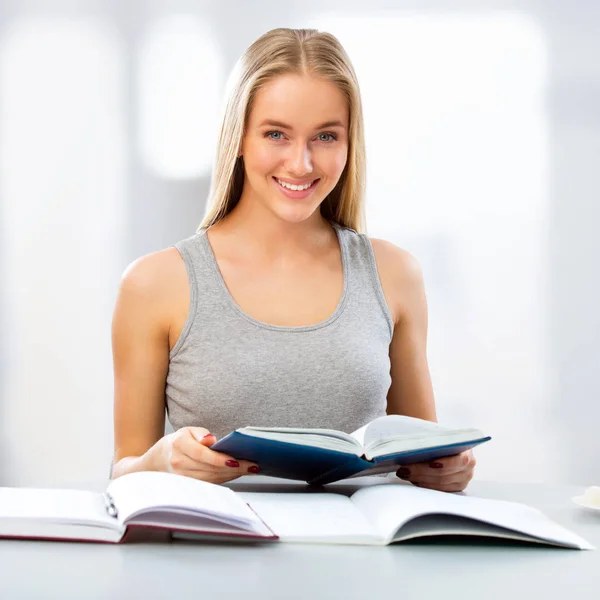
(483, 132)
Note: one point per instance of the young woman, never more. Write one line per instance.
(279, 310)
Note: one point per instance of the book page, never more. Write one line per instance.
(60, 506)
(398, 433)
(389, 506)
(359, 434)
(430, 525)
(392, 427)
(137, 493)
(313, 518)
(328, 439)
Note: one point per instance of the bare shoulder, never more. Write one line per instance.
(400, 274)
(151, 273)
(396, 260)
(156, 283)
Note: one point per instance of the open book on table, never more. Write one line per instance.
(322, 455)
(149, 500)
(378, 514)
(395, 512)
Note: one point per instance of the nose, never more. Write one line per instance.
(299, 162)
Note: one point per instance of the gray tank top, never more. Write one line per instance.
(229, 370)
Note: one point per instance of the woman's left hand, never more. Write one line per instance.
(448, 474)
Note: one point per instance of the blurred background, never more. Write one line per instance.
(483, 139)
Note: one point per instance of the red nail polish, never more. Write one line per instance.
(253, 469)
(232, 463)
(436, 465)
(207, 435)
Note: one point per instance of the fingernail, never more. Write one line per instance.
(436, 465)
(232, 463)
(253, 469)
(207, 435)
(403, 473)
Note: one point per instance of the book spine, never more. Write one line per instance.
(350, 467)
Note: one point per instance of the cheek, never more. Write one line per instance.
(337, 162)
(261, 159)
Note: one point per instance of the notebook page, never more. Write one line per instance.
(149, 490)
(61, 506)
(297, 517)
(389, 506)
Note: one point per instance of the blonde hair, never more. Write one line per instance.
(280, 51)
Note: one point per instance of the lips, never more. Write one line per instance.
(296, 194)
(296, 184)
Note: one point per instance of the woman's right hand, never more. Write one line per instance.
(187, 452)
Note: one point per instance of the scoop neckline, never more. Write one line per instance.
(289, 328)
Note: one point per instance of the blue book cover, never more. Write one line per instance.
(320, 466)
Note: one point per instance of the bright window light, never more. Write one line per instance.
(457, 153)
(446, 100)
(62, 184)
(179, 90)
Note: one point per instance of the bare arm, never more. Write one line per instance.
(140, 338)
(152, 291)
(411, 391)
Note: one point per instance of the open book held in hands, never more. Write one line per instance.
(375, 514)
(322, 456)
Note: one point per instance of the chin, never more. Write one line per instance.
(297, 214)
(293, 211)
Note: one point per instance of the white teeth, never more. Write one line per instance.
(290, 186)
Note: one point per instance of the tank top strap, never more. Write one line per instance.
(364, 283)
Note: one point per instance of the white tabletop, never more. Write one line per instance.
(218, 571)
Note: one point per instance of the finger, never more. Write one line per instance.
(415, 476)
(443, 466)
(202, 435)
(182, 464)
(177, 457)
(444, 480)
(194, 444)
(210, 460)
(449, 464)
(228, 463)
(448, 482)
(422, 475)
(449, 486)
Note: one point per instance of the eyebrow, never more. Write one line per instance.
(273, 123)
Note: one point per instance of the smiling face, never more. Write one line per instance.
(295, 146)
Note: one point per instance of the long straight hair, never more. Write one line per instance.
(277, 52)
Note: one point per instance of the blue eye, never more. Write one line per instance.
(269, 134)
(331, 135)
(277, 136)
